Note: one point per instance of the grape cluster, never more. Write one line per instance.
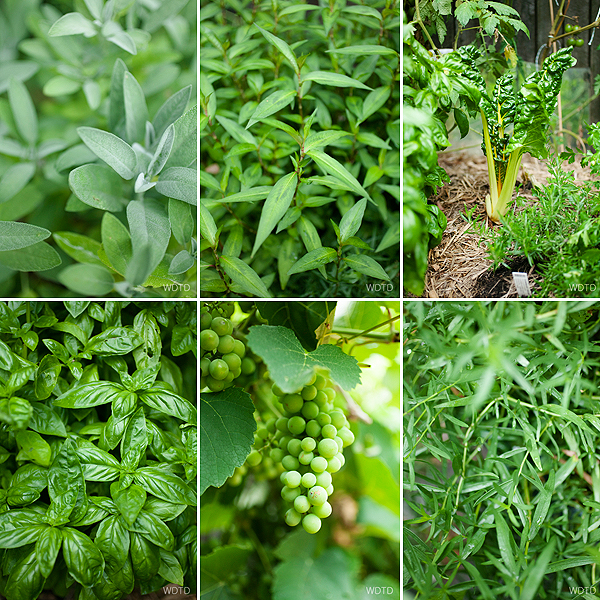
(222, 356)
(310, 440)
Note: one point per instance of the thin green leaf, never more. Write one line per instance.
(237, 132)
(322, 138)
(274, 208)
(536, 575)
(352, 220)
(313, 259)
(335, 80)
(282, 47)
(269, 106)
(208, 227)
(244, 276)
(333, 167)
(543, 505)
(365, 50)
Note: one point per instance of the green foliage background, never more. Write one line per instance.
(322, 151)
(501, 471)
(97, 195)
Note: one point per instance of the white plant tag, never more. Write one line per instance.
(522, 284)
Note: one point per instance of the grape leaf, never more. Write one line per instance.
(303, 318)
(291, 367)
(227, 429)
(302, 577)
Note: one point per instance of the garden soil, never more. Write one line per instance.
(459, 266)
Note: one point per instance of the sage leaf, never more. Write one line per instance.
(15, 235)
(114, 151)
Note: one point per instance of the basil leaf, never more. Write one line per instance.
(46, 376)
(33, 447)
(164, 485)
(90, 394)
(145, 557)
(114, 341)
(129, 501)
(97, 464)
(134, 441)
(112, 538)
(170, 403)
(170, 569)
(18, 528)
(82, 557)
(25, 580)
(47, 548)
(154, 530)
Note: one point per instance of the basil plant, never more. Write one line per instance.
(97, 448)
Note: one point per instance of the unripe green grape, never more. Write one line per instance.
(271, 425)
(309, 480)
(320, 399)
(309, 392)
(236, 373)
(204, 366)
(290, 463)
(279, 435)
(205, 320)
(329, 490)
(254, 458)
(311, 523)
(323, 479)
(222, 326)
(312, 379)
(277, 454)
(320, 382)
(203, 383)
(330, 393)
(294, 447)
(292, 479)
(341, 458)
(301, 504)
(282, 477)
(282, 424)
(261, 431)
(215, 385)
(323, 419)
(296, 425)
(308, 444)
(230, 377)
(235, 480)
(239, 348)
(318, 464)
(292, 403)
(277, 391)
(317, 495)
(226, 344)
(322, 511)
(292, 517)
(305, 458)
(346, 435)
(284, 440)
(334, 464)
(329, 431)
(313, 429)
(337, 418)
(327, 448)
(310, 410)
(209, 340)
(234, 362)
(248, 366)
(218, 369)
(290, 494)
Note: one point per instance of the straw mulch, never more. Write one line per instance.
(459, 267)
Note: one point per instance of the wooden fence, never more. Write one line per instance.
(536, 14)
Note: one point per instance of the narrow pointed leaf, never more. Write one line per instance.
(335, 80)
(352, 220)
(244, 276)
(333, 167)
(282, 47)
(313, 259)
(276, 204)
(366, 265)
(23, 111)
(269, 106)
